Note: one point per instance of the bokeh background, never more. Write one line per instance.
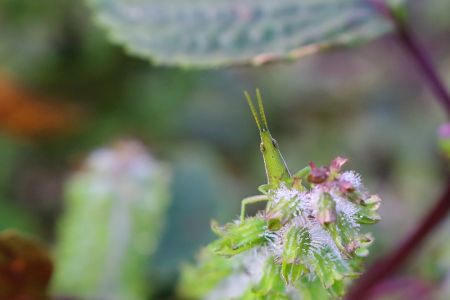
(66, 91)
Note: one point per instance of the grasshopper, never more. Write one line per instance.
(277, 171)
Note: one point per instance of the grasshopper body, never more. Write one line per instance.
(277, 171)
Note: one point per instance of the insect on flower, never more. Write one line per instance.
(308, 238)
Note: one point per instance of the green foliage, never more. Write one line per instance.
(239, 237)
(298, 243)
(212, 33)
(212, 269)
(270, 286)
(12, 216)
(114, 213)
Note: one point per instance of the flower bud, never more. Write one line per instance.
(326, 209)
(317, 175)
(359, 246)
(373, 201)
(337, 163)
(274, 224)
(444, 139)
(346, 186)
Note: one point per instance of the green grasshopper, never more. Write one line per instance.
(277, 171)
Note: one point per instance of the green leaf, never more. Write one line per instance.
(271, 281)
(239, 237)
(331, 270)
(207, 33)
(312, 289)
(297, 247)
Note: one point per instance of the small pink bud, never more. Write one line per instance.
(352, 246)
(337, 164)
(373, 199)
(346, 187)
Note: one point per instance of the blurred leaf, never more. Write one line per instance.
(115, 210)
(271, 285)
(25, 268)
(9, 152)
(14, 217)
(212, 269)
(29, 33)
(211, 33)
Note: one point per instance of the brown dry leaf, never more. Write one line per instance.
(24, 114)
(25, 268)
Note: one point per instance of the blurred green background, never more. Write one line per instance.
(65, 91)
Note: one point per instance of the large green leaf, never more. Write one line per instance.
(211, 33)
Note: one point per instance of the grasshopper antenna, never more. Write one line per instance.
(252, 108)
(261, 110)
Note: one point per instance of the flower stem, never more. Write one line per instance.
(389, 264)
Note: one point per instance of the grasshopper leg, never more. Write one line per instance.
(251, 200)
(303, 172)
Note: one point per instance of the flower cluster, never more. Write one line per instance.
(307, 242)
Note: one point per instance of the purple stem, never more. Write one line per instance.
(404, 288)
(389, 264)
(417, 53)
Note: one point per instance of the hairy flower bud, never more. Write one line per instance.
(326, 209)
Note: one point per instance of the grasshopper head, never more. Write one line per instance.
(276, 168)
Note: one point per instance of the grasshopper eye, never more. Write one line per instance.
(262, 148)
(275, 143)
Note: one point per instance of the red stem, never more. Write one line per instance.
(389, 264)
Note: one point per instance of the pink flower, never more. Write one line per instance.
(317, 175)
